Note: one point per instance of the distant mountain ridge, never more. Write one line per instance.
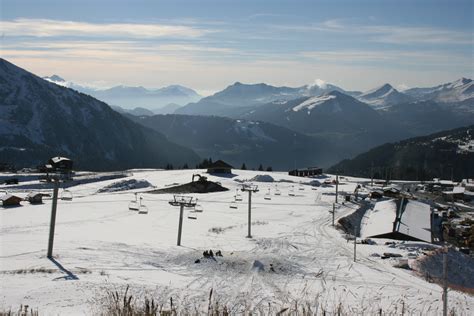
(132, 97)
(242, 141)
(39, 119)
(383, 96)
(457, 91)
(444, 155)
(239, 95)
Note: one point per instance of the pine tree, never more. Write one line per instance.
(244, 167)
(260, 168)
(269, 168)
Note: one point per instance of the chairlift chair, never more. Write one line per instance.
(133, 205)
(277, 191)
(301, 187)
(198, 207)
(233, 204)
(192, 215)
(142, 208)
(238, 196)
(66, 195)
(292, 191)
(268, 196)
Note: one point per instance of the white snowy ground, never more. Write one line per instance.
(104, 246)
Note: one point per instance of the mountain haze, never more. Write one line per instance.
(39, 119)
(241, 141)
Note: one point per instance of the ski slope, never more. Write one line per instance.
(101, 245)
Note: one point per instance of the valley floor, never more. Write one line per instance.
(101, 245)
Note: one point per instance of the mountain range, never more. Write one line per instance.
(40, 119)
(447, 154)
(132, 97)
(251, 123)
(241, 141)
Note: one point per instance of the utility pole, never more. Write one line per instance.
(52, 223)
(445, 283)
(333, 212)
(337, 186)
(372, 174)
(355, 241)
(182, 201)
(249, 188)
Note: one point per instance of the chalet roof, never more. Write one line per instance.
(58, 159)
(415, 220)
(219, 164)
(456, 190)
(7, 196)
(34, 194)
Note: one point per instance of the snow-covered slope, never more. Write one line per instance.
(384, 96)
(100, 245)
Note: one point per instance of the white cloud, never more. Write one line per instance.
(389, 57)
(49, 28)
(393, 34)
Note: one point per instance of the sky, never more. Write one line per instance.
(208, 45)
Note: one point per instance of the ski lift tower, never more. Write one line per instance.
(182, 201)
(249, 188)
(63, 171)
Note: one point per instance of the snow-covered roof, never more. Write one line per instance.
(416, 221)
(7, 197)
(379, 220)
(58, 159)
(456, 190)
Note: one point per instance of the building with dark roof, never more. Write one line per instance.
(10, 200)
(307, 172)
(219, 166)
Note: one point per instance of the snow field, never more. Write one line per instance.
(100, 244)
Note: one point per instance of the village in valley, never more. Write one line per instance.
(253, 238)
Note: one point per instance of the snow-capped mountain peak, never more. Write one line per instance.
(54, 78)
(383, 96)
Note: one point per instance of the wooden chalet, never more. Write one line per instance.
(220, 167)
(36, 197)
(61, 163)
(10, 200)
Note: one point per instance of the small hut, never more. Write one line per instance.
(35, 197)
(10, 200)
(220, 166)
(61, 163)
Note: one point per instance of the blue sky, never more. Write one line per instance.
(208, 45)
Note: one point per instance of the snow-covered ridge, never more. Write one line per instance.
(312, 102)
